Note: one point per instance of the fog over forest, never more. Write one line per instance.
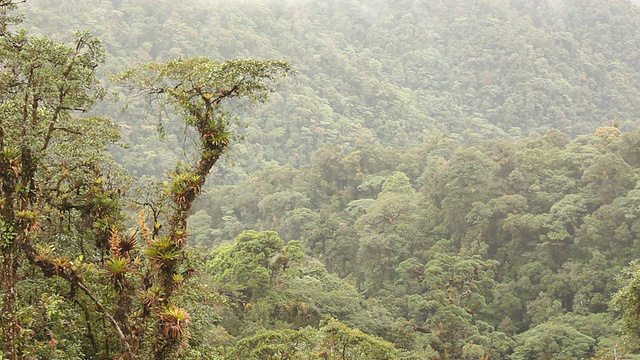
(258, 179)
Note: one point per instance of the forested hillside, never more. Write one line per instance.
(387, 72)
(437, 180)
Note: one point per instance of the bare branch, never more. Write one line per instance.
(73, 109)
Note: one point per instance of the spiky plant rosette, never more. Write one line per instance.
(174, 321)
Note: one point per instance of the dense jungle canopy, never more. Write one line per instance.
(258, 179)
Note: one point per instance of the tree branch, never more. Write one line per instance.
(71, 131)
(50, 269)
(106, 314)
(73, 109)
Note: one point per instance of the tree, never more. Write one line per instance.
(199, 90)
(61, 196)
(271, 286)
(553, 341)
(627, 300)
(334, 340)
(251, 265)
(454, 291)
(53, 168)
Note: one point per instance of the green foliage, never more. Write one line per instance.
(250, 265)
(626, 300)
(397, 183)
(479, 254)
(196, 88)
(553, 341)
(333, 340)
(271, 286)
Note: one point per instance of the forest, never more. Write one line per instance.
(346, 180)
